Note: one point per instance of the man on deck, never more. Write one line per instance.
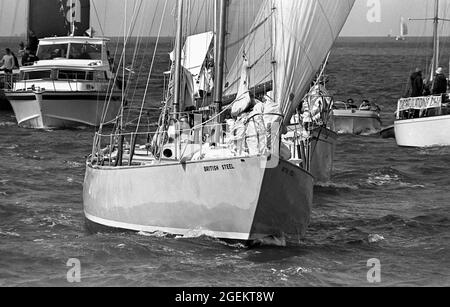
(7, 62)
(440, 82)
(416, 83)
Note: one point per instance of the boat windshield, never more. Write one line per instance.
(50, 52)
(37, 75)
(76, 51)
(83, 51)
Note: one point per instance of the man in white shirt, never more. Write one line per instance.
(7, 62)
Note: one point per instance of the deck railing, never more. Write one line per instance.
(184, 144)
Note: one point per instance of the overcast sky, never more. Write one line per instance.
(368, 18)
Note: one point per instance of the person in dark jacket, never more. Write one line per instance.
(439, 82)
(33, 42)
(416, 83)
(28, 58)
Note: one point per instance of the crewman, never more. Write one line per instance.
(416, 83)
(439, 82)
(7, 62)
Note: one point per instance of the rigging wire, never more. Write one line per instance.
(151, 67)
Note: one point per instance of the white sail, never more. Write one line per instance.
(241, 17)
(403, 28)
(304, 32)
(256, 46)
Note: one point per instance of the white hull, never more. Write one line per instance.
(235, 199)
(61, 109)
(356, 122)
(423, 132)
(322, 161)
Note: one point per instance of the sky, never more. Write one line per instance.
(368, 18)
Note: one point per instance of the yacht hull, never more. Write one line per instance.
(423, 132)
(356, 122)
(58, 110)
(234, 199)
(322, 162)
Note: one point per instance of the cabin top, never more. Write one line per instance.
(72, 39)
(72, 51)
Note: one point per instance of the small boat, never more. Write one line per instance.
(195, 180)
(348, 119)
(425, 121)
(71, 83)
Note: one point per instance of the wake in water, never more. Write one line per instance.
(390, 177)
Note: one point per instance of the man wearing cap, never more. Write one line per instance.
(439, 82)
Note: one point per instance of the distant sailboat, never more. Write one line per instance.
(193, 179)
(403, 30)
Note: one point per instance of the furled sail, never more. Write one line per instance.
(48, 18)
(296, 36)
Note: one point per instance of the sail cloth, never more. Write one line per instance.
(304, 32)
(48, 18)
(194, 59)
(250, 38)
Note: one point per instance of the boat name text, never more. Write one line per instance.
(216, 168)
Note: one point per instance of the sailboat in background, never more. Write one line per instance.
(403, 30)
(197, 179)
(72, 83)
(425, 121)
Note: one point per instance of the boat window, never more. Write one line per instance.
(85, 51)
(72, 75)
(50, 52)
(37, 75)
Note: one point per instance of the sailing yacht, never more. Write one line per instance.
(314, 124)
(223, 171)
(70, 85)
(425, 121)
(403, 30)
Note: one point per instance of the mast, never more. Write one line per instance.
(273, 38)
(178, 53)
(435, 65)
(28, 22)
(220, 29)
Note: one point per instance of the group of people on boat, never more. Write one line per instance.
(418, 87)
(10, 61)
(365, 105)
